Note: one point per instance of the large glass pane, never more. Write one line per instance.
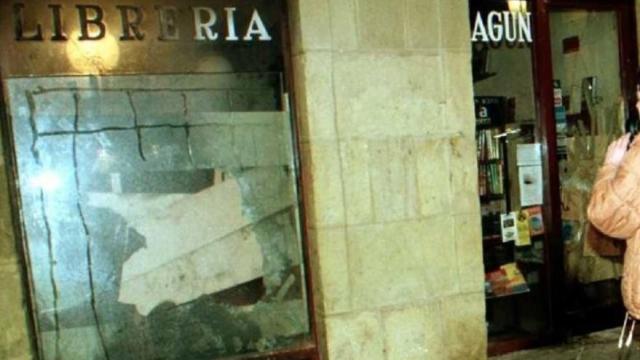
(510, 172)
(589, 114)
(161, 215)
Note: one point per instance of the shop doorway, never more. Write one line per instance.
(514, 208)
(590, 76)
(552, 79)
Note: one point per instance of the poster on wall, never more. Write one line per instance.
(529, 161)
(531, 185)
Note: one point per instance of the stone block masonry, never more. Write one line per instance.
(384, 97)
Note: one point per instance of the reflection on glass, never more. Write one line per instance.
(586, 68)
(161, 215)
(91, 57)
(507, 122)
(46, 181)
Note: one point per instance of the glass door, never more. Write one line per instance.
(589, 112)
(511, 181)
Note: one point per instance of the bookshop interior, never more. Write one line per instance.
(547, 271)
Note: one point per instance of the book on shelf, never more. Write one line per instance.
(490, 179)
(490, 164)
(536, 222)
(488, 146)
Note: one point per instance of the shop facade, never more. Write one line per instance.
(386, 172)
(354, 180)
(554, 83)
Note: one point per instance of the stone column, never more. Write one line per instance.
(385, 111)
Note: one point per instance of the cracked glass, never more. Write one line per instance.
(159, 203)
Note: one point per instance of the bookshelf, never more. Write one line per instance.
(491, 113)
(514, 265)
(502, 266)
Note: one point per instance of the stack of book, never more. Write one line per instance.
(506, 280)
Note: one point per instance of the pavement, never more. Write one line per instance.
(595, 346)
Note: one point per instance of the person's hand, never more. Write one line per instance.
(616, 151)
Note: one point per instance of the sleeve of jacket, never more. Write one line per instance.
(614, 207)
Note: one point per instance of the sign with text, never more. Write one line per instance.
(110, 37)
(498, 26)
(91, 23)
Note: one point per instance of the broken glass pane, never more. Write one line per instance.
(161, 215)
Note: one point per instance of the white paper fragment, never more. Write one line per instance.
(531, 185)
(196, 244)
(529, 154)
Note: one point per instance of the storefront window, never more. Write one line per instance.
(511, 170)
(157, 179)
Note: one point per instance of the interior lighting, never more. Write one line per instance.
(517, 6)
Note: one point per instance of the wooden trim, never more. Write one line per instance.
(629, 48)
(584, 4)
(307, 351)
(290, 81)
(511, 344)
(553, 271)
